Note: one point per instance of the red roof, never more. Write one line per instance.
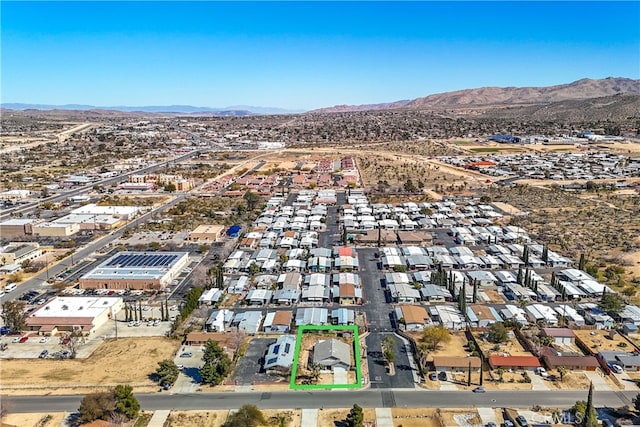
(345, 251)
(559, 332)
(497, 361)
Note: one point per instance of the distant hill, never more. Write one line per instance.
(492, 96)
(240, 110)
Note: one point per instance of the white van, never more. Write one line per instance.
(10, 287)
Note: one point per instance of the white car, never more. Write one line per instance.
(44, 340)
(617, 369)
(542, 372)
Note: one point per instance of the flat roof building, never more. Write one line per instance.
(136, 270)
(66, 314)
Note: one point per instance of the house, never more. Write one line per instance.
(542, 313)
(279, 357)
(627, 361)
(448, 316)
(527, 363)
(218, 320)
(259, 296)
(482, 316)
(248, 321)
(456, 363)
(290, 280)
(569, 314)
(210, 296)
(435, 293)
(413, 317)
(286, 296)
(630, 314)
(311, 316)
(343, 316)
(483, 278)
(332, 353)
(277, 322)
(573, 361)
(404, 293)
(560, 336)
(349, 294)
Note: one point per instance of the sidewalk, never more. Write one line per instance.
(309, 418)
(158, 419)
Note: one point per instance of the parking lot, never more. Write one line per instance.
(189, 378)
(249, 367)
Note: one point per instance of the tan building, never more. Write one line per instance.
(18, 227)
(51, 229)
(207, 233)
(66, 314)
(136, 270)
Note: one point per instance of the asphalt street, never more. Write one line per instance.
(369, 398)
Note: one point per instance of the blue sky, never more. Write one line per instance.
(303, 55)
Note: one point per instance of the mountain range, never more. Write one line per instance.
(493, 96)
(236, 110)
(471, 100)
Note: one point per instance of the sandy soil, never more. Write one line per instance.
(455, 347)
(32, 420)
(453, 417)
(571, 381)
(632, 261)
(494, 296)
(415, 417)
(506, 207)
(127, 360)
(335, 417)
(601, 341)
(513, 347)
(196, 418)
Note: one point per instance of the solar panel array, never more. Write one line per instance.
(141, 260)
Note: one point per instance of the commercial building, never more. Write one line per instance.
(66, 314)
(136, 270)
(15, 228)
(19, 252)
(207, 233)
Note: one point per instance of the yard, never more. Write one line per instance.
(598, 340)
(33, 420)
(512, 346)
(415, 417)
(217, 418)
(455, 347)
(571, 381)
(304, 361)
(336, 417)
(126, 360)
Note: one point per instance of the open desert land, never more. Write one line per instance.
(336, 417)
(415, 417)
(123, 361)
(292, 418)
(33, 420)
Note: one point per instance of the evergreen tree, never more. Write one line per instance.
(355, 418)
(590, 416)
(475, 291)
(519, 279)
(582, 263)
(545, 254)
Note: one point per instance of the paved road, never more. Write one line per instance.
(39, 281)
(378, 377)
(105, 182)
(369, 398)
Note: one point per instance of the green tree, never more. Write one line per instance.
(246, 416)
(433, 336)
(562, 371)
(216, 364)
(170, 188)
(96, 406)
(355, 418)
(500, 372)
(126, 403)
(497, 333)
(251, 199)
(590, 417)
(13, 315)
(167, 371)
(611, 302)
(388, 349)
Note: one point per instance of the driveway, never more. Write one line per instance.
(378, 377)
(249, 366)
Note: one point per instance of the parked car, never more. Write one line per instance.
(44, 340)
(24, 339)
(16, 339)
(4, 330)
(542, 372)
(186, 354)
(508, 423)
(43, 354)
(617, 369)
(442, 376)
(522, 421)
(479, 390)
(433, 376)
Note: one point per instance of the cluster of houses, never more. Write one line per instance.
(585, 165)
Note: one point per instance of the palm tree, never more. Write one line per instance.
(500, 372)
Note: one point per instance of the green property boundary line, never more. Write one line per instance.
(296, 357)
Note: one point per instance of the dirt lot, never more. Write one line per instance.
(415, 417)
(601, 341)
(334, 417)
(459, 417)
(455, 347)
(33, 420)
(512, 346)
(571, 381)
(217, 418)
(131, 360)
